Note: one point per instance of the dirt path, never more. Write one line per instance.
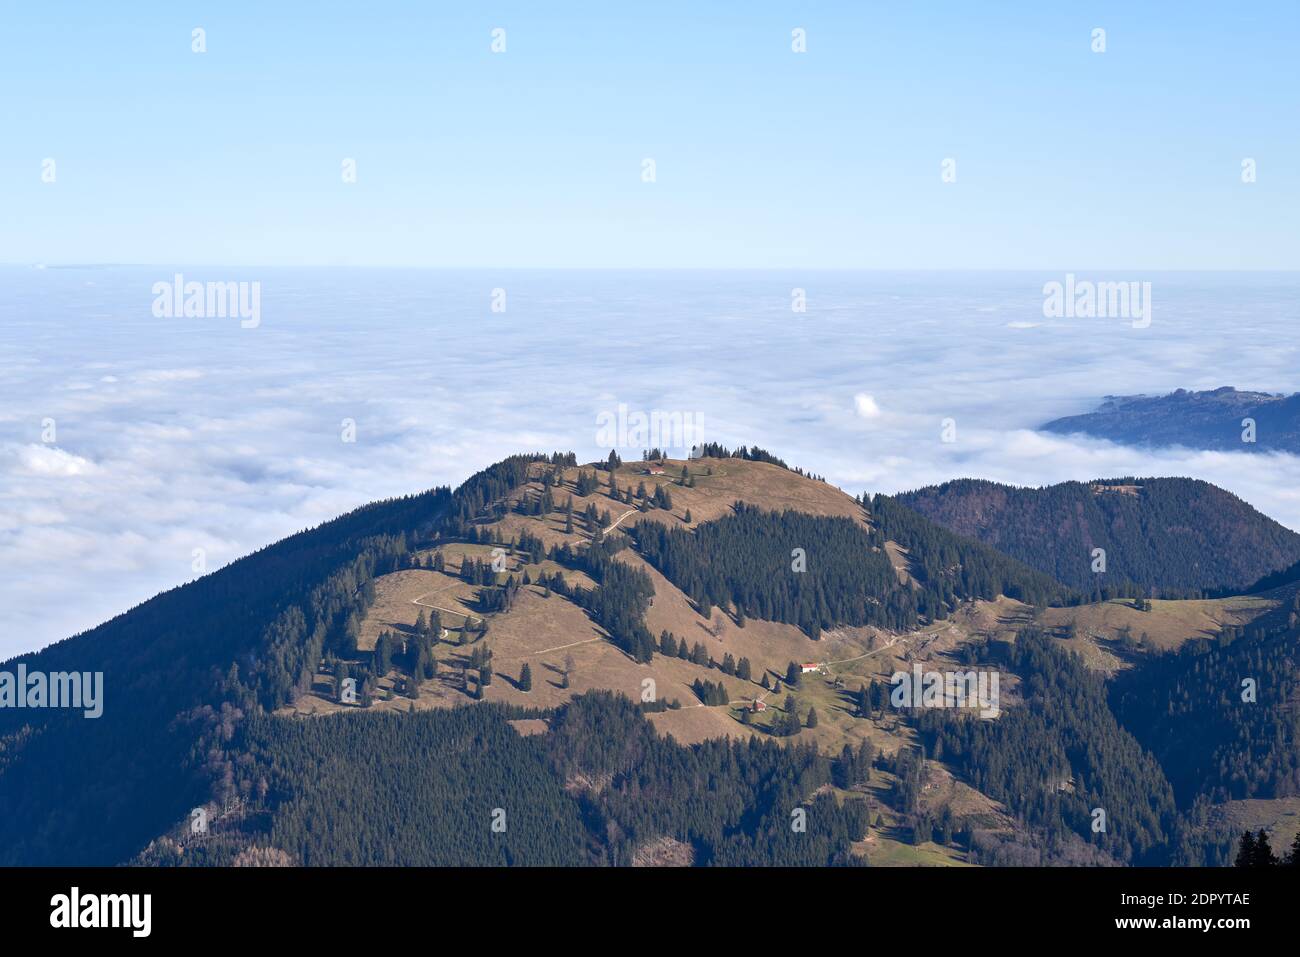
(875, 651)
(619, 520)
(450, 611)
(547, 651)
(419, 600)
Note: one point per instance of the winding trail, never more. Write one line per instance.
(419, 600)
(620, 519)
(547, 651)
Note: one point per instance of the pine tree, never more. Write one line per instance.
(1264, 856)
(812, 718)
(351, 634)
(526, 678)
(1246, 850)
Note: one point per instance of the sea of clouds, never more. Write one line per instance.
(177, 434)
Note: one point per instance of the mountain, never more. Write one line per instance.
(1163, 536)
(1276, 580)
(1223, 745)
(1197, 420)
(611, 664)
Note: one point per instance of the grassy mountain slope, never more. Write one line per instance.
(180, 670)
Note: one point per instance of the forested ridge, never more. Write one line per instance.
(412, 789)
(182, 669)
(1060, 755)
(731, 801)
(1278, 579)
(459, 787)
(957, 567)
(817, 572)
(1163, 537)
(747, 561)
(167, 667)
(1221, 713)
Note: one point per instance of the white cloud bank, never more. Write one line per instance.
(180, 434)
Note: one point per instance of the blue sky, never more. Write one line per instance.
(1066, 159)
(777, 169)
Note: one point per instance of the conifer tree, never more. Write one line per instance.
(1293, 859)
(1264, 856)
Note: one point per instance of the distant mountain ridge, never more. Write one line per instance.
(1175, 536)
(1200, 420)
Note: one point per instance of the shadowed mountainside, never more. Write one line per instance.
(1172, 536)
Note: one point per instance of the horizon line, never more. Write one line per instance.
(647, 269)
